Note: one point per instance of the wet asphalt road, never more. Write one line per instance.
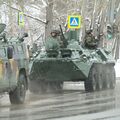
(70, 104)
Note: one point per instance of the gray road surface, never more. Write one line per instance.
(70, 104)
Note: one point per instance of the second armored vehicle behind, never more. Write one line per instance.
(13, 67)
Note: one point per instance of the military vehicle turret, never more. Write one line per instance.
(14, 66)
(73, 62)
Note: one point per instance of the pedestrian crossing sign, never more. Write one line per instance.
(74, 21)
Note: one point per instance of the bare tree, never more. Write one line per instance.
(49, 18)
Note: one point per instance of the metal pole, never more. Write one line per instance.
(111, 11)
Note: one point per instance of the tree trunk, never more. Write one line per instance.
(49, 18)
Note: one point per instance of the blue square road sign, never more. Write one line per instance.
(74, 21)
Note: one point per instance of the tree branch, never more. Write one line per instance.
(37, 19)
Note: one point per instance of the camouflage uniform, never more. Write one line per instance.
(90, 41)
(52, 43)
(2, 33)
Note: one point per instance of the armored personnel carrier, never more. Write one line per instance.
(74, 62)
(13, 66)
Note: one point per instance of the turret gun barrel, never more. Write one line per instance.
(63, 39)
(21, 39)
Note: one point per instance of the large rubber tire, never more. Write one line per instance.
(37, 86)
(54, 86)
(18, 95)
(110, 79)
(91, 83)
(104, 76)
(100, 77)
(59, 85)
(113, 78)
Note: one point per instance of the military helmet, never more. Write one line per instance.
(89, 31)
(55, 31)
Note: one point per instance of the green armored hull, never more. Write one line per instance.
(60, 70)
(73, 61)
(94, 67)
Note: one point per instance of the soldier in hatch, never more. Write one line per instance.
(53, 42)
(2, 32)
(90, 41)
